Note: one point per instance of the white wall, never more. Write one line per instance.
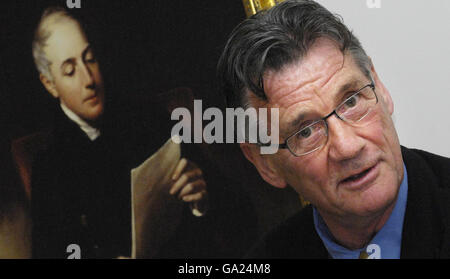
(409, 42)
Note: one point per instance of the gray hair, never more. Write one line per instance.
(42, 34)
(275, 38)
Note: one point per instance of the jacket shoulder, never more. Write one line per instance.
(439, 165)
(437, 170)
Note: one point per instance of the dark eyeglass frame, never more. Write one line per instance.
(324, 119)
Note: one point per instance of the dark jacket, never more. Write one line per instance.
(81, 193)
(426, 229)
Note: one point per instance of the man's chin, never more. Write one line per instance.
(375, 200)
(94, 114)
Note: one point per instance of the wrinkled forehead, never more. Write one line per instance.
(323, 61)
(312, 86)
(66, 38)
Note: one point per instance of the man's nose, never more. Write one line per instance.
(344, 143)
(88, 78)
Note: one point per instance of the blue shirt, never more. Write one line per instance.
(386, 244)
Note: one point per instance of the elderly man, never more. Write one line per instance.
(81, 184)
(338, 148)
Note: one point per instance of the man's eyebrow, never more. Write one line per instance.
(85, 51)
(295, 122)
(71, 60)
(351, 84)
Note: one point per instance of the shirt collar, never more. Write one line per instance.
(91, 132)
(388, 240)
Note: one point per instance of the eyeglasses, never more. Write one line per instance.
(314, 136)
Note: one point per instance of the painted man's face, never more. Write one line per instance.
(77, 80)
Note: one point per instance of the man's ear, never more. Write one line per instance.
(263, 165)
(381, 90)
(49, 85)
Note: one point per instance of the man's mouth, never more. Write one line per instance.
(361, 178)
(357, 176)
(92, 97)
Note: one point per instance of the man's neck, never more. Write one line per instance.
(356, 233)
(89, 129)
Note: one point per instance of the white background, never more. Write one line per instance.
(409, 42)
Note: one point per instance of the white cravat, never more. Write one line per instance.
(90, 131)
